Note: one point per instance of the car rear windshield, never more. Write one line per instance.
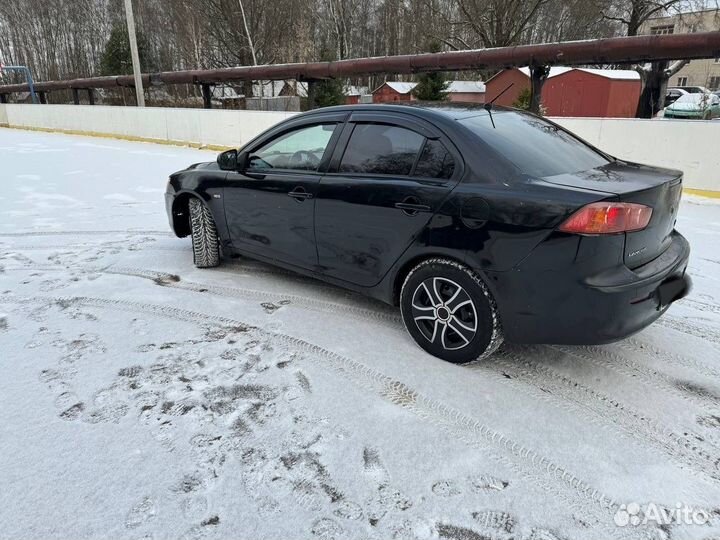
(536, 147)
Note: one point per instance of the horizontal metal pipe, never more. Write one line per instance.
(596, 51)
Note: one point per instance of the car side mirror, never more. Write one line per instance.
(228, 160)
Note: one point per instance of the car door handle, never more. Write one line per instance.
(300, 194)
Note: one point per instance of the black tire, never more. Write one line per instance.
(205, 243)
(450, 312)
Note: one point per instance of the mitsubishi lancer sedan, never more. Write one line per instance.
(482, 223)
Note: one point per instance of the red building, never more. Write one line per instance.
(393, 91)
(465, 91)
(609, 93)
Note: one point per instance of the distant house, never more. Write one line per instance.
(573, 91)
(355, 94)
(266, 96)
(394, 91)
(703, 72)
(468, 91)
(294, 88)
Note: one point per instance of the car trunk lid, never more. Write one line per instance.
(633, 183)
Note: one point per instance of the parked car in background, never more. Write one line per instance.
(698, 106)
(691, 89)
(673, 94)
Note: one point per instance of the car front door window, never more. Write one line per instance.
(298, 150)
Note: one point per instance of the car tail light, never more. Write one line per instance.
(608, 218)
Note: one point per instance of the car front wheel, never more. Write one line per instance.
(449, 311)
(205, 243)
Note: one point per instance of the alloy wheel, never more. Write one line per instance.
(444, 313)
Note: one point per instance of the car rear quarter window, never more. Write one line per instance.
(536, 147)
(381, 149)
(435, 161)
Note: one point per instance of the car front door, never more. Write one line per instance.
(270, 202)
(714, 106)
(388, 175)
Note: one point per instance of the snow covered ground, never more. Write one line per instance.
(144, 398)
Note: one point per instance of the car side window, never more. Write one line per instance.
(301, 149)
(435, 161)
(381, 149)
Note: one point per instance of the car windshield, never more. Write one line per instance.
(693, 98)
(536, 147)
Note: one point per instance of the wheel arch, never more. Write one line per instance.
(181, 212)
(407, 266)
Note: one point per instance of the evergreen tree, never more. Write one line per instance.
(329, 92)
(431, 86)
(523, 99)
(116, 59)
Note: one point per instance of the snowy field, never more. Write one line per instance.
(144, 398)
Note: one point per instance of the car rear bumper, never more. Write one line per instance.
(541, 305)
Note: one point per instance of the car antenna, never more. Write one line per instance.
(488, 106)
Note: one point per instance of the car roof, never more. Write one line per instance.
(423, 109)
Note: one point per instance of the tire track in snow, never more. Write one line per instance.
(650, 377)
(702, 307)
(529, 464)
(169, 280)
(24, 234)
(686, 449)
(166, 279)
(646, 348)
(63, 247)
(685, 326)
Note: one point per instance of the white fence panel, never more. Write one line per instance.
(690, 146)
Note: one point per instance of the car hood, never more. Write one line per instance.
(211, 165)
(686, 107)
(616, 178)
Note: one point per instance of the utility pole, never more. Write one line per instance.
(137, 74)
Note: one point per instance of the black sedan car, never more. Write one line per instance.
(482, 223)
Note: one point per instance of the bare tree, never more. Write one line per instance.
(632, 14)
(247, 33)
(499, 23)
(60, 39)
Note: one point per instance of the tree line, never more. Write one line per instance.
(61, 39)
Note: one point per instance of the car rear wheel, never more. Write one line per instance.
(205, 243)
(449, 311)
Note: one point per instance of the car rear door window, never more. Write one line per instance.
(301, 149)
(435, 161)
(381, 149)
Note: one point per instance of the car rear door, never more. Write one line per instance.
(389, 174)
(270, 204)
